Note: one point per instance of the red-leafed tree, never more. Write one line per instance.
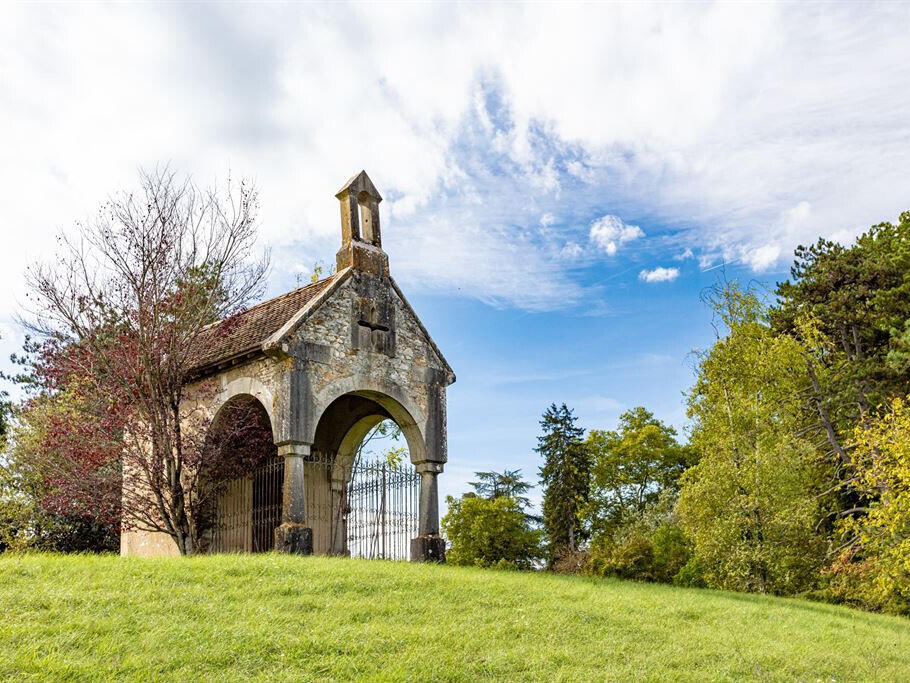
(121, 310)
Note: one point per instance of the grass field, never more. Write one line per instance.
(273, 617)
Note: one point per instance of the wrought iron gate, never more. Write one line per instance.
(268, 480)
(381, 510)
(373, 516)
(248, 510)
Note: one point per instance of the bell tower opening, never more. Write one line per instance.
(361, 238)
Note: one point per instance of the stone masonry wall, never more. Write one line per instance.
(324, 357)
(330, 328)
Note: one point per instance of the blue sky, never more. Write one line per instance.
(512, 364)
(561, 181)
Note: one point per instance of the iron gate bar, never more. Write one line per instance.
(381, 509)
(376, 508)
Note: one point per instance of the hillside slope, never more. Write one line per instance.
(286, 618)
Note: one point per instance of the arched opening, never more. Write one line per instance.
(362, 490)
(245, 478)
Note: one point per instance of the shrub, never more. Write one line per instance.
(651, 546)
(671, 551)
(691, 575)
(629, 558)
(636, 552)
(571, 561)
(490, 533)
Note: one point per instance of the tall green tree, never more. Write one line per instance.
(750, 504)
(508, 483)
(850, 307)
(565, 479)
(632, 466)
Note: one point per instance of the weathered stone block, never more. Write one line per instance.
(428, 549)
(294, 539)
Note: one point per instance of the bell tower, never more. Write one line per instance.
(361, 239)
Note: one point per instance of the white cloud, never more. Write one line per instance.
(453, 255)
(763, 257)
(685, 255)
(571, 251)
(609, 233)
(697, 117)
(659, 274)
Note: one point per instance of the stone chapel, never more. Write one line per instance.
(326, 363)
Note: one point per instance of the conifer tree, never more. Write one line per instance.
(508, 483)
(565, 478)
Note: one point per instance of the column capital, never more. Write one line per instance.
(429, 467)
(294, 448)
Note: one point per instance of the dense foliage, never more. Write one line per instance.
(35, 511)
(120, 314)
(60, 489)
(750, 504)
(489, 532)
(796, 477)
(631, 514)
(874, 569)
(631, 467)
(650, 546)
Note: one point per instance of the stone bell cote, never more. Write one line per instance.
(361, 239)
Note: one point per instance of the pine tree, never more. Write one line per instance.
(508, 483)
(565, 478)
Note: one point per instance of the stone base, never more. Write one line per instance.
(428, 549)
(294, 539)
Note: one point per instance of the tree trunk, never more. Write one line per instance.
(825, 417)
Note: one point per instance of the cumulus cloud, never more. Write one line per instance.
(609, 233)
(705, 124)
(659, 274)
(763, 257)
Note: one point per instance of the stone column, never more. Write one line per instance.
(429, 545)
(294, 536)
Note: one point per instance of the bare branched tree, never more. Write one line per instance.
(123, 308)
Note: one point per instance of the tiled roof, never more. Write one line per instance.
(246, 331)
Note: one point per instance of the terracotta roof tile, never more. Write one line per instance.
(247, 330)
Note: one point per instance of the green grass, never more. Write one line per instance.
(273, 617)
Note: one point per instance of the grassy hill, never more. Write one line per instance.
(287, 618)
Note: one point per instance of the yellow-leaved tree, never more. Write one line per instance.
(876, 567)
(750, 504)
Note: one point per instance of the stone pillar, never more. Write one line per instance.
(429, 546)
(294, 536)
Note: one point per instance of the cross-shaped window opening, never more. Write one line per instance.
(371, 323)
